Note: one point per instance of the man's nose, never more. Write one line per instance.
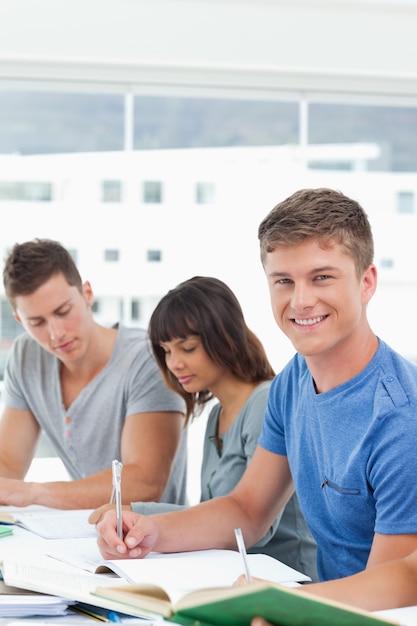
(303, 297)
(55, 329)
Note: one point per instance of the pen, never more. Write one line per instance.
(117, 479)
(113, 616)
(242, 550)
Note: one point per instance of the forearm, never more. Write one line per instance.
(86, 493)
(389, 585)
(192, 528)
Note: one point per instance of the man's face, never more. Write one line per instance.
(58, 317)
(317, 298)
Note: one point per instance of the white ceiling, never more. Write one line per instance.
(252, 48)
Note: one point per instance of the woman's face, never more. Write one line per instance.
(187, 360)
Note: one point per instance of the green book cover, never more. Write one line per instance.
(279, 606)
(236, 606)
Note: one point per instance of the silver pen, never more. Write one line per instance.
(117, 491)
(243, 553)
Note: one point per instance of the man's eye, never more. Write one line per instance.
(36, 324)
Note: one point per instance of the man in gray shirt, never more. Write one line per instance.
(95, 391)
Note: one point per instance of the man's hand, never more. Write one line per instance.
(140, 534)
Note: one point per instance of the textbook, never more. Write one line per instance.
(177, 573)
(236, 606)
(15, 602)
(50, 523)
(215, 567)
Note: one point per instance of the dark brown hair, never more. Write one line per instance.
(207, 307)
(29, 265)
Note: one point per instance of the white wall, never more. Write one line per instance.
(259, 47)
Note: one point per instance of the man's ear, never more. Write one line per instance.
(369, 283)
(16, 316)
(88, 293)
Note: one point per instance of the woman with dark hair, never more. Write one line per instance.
(206, 352)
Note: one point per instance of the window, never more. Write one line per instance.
(181, 122)
(405, 202)
(393, 129)
(26, 191)
(74, 254)
(111, 255)
(328, 165)
(47, 122)
(204, 193)
(154, 256)
(152, 192)
(111, 191)
(135, 309)
(10, 329)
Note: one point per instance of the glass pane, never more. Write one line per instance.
(111, 191)
(204, 193)
(394, 129)
(26, 191)
(198, 122)
(111, 255)
(45, 122)
(152, 192)
(405, 202)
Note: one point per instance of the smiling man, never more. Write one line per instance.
(341, 419)
(95, 391)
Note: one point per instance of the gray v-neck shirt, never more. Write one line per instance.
(87, 435)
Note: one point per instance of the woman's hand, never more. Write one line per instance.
(97, 515)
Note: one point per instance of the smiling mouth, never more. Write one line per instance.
(310, 322)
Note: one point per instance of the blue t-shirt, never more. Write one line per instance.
(352, 452)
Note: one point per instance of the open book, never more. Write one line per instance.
(190, 570)
(51, 523)
(177, 573)
(188, 580)
(236, 606)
